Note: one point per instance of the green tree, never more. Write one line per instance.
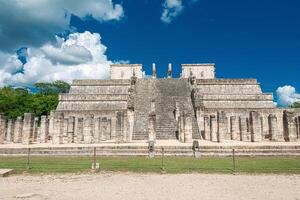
(52, 88)
(296, 105)
(16, 102)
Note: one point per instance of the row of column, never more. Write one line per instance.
(251, 128)
(58, 129)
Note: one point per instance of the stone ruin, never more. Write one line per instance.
(129, 107)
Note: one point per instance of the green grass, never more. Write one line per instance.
(40, 164)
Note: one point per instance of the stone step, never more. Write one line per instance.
(143, 151)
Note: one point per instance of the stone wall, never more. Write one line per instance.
(125, 71)
(199, 71)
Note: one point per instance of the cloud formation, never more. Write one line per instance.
(171, 8)
(35, 22)
(287, 95)
(81, 55)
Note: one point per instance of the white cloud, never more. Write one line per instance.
(81, 55)
(171, 8)
(34, 22)
(287, 95)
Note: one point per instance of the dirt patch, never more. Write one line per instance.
(150, 186)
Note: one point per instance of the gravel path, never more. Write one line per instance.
(130, 186)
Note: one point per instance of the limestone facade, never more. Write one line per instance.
(128, 107)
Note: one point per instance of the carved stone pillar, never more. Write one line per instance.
(58, 128)
(88, 127)
(181, 128)
(10, 131)
(35, 129)
(44, 133)
(273, 128)
(153, 71)
(51, 125)
(188, 130)
(71, 129)
(213, 128)
(97, 135)
(244, 136)
(27, 128)
(170, 70)
(79, 130)
(2, 129)
(18, 130)
(206, 128)
(290, 127)
(222, 126)
(255, 127)
(130, 118)
(234, 128)
(280, 131)
(151, 127)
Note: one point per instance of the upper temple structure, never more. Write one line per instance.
(130, 107)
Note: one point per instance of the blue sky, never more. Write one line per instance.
(246, 39)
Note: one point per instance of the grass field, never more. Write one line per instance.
(143, 164)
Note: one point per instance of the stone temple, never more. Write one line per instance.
(129, 108)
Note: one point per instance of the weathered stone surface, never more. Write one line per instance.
(44, 129)
(27, 132)
(256, 127)
(18, 130)
(10, 131)
(2, 129)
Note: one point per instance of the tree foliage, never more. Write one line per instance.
(16, 102)
(296, 105)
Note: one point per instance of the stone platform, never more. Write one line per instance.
(6, 172)
(171, 148)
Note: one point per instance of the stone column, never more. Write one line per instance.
(222, 126)
(97, 133)
(18, 130)
(44, 129)
(65, 137)
(255, 127)
(151, 127)
(10, 131)
(120, 126)
(113, 134)
(70, 129)
(35, 129)
(27, 131)
(88, 127)
(273, 129)
(130, 118)
(103, 129)
(181, 128)
(51, 125)
(290, 126)
(280, 132)
(58, 128)
(79, 130)
(298, 127)
(188, 128)
(2, 129)
(206, 128)
(213, 128)
(243, 129)
(234, 128)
